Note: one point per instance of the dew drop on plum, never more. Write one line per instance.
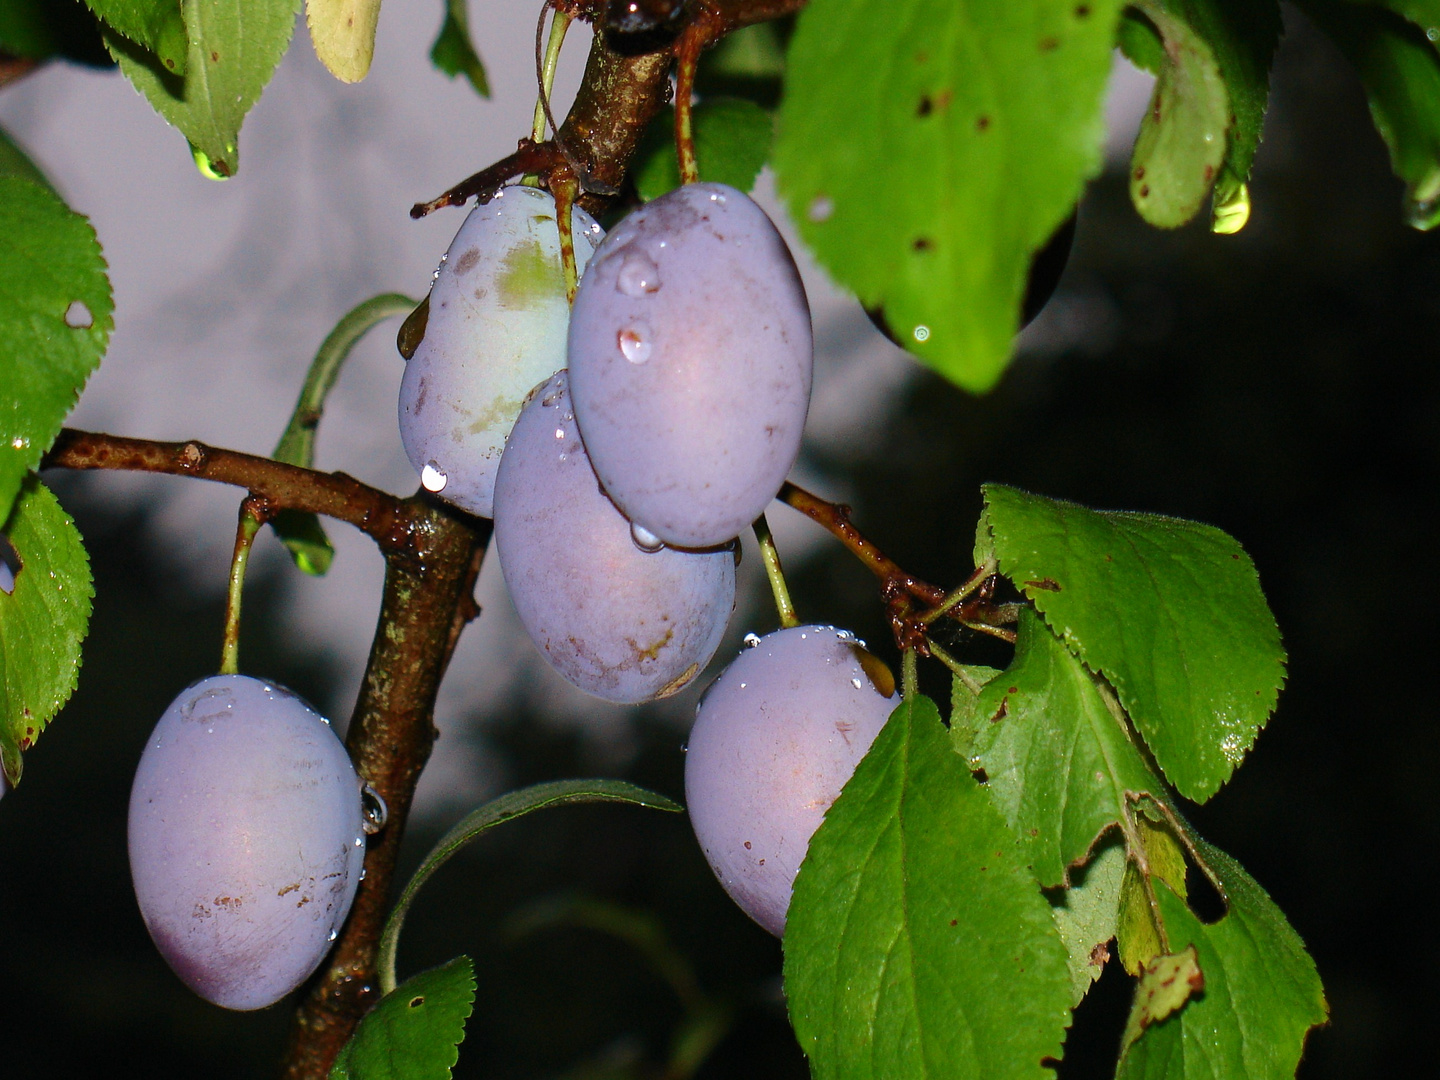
(495, 327)
(617, 620)
(246, 839)
(690, 359)
(776, 737)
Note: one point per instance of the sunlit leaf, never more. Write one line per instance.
(1169, 611)
(43, 619)
(916, 943)
(415, 1031)
(55, 320)
(927, 151)
(234, 46)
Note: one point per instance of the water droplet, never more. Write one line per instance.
(922, 333)
(559, 433)
(716, 197)
(1433, 33)
(856, 683)
(19, 443)
(78, 317)
(751, 640)
(644, 539)
(210, 169)
(742, 686)
(638, 274)
(362, 874)
(821, 207)
(431, 478)
(333, 935)
(359, 841)
(373, 807)
(634, 343)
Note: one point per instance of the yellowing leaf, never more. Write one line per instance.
(343, 32)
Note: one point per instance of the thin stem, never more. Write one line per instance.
(565, 190)
(253, 512)
(835, 518)
(909, 675)
(770, 556)
(545, 66)
(971, 586)
(687, 57)
(956, 668)
(297, 444)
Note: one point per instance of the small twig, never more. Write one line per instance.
(254, 512)
(909, 675)
(530, 157)
(565, 189)
(971, 585)
(770, 556)
(546, 62)
(957, 669)
(687, 59)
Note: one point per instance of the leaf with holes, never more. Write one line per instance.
(732, 141)
(1400, 70)
(43, 619)
(1059, 763)
(453, 53)
(55, 320)
(1262, 993)
(916, 943)
(988, 118)
(233, 48)
(343, 33)
(1169, 611)
(415, 1032)
(1086, 915)
(157, 25)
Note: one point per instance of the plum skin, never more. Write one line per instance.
(691, 355)
(246, 838)
(776, 737)
(622, 623)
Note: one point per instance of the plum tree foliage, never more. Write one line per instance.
(957, 885)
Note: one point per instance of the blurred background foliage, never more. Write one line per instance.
(1283, 384)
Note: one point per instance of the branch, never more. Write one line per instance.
(390, 521)
(428, 599)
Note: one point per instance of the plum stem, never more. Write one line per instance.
(770, 556)
(546, 64)
(254, 512)
(687, 58)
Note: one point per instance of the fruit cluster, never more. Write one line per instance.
(673, 404)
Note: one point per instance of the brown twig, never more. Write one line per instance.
(388, 520)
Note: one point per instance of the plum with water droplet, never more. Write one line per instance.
(776, 737)
(690, 358)
(617, 616)
(246, 839)
(496, 325)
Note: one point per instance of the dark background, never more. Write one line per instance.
(1281, 384)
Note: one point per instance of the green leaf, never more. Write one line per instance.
(343, 33)
(40, 29)
(233, 48)
(1169, 611)
(1059, 762)
(42, 621)
(453, 52)
(1400, 70)
(158, 25)
(1239, 37)
(1182, 136)
(507, 807)
(916, 943)
(1262, 993)
(55, 320)
(1086, 915)
(300, 531)
(15, 162)
(927, 151)
(415, 1031)
(732, 141)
